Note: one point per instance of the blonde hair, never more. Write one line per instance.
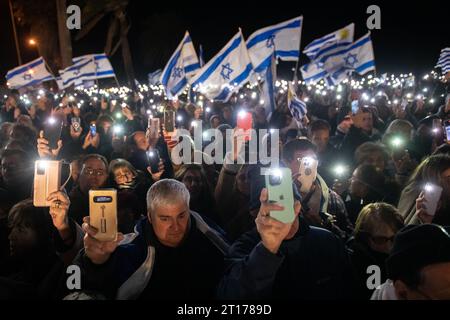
(374, 214)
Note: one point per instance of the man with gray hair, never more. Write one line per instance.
(173, 253)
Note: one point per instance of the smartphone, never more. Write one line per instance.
(404, 103)
(245, 122)
(279, 187)
(153, 159)
(447, 130)
(47, 179)
(76, 124)
(169, 121)
(103, 213)
(153, 126)
(432, 194)
(355, 106)
(93, 130)
(52, 132)
(308, 173)
(118, 131)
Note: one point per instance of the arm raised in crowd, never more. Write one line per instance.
(69, 239)
(44, 150)
(255, 258)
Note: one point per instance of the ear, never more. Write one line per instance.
(401, 290)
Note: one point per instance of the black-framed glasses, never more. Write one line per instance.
(93, 172)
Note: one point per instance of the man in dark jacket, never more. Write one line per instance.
(360, 132)
(285, 261)
(173, 253)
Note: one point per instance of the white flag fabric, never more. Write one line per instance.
(296, 106)
(87, 67)
(283, 37)
(83, 69)
(182, 65)
(330, 43)
(103, 67)
(336, 66)
(444, 61)
(29, 74)
(225, 72)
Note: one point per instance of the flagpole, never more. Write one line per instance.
(299, 54)
(16, 40)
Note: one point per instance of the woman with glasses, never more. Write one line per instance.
(126, 178)
(375, 229)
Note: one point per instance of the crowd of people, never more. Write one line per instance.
(204, 231)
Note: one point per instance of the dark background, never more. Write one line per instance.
(411, 36)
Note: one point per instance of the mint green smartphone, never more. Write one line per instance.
(279, 187)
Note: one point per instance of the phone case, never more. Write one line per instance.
(154, 126)
(52, 133)
(169, 121)
(245, 122)
(282, 194)
(103, 213)
(432, 195)
(47, 179)
(76, 123)
(153, 160)
(93, 130)
(308, 173)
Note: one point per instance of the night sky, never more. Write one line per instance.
(411, 36)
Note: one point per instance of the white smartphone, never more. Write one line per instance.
(432, 194)
(308, 173)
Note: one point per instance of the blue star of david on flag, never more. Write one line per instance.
(270, 41)
(27, 76)
(76, 71)
(319, 64)
(177, 72)
(351, 60)
(226, 71)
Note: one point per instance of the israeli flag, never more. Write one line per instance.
(284, 38)
(270, 77)
(296, 106)
(154, 77)
(336, 66)
(29, 74)
(330, 43)
(182, 66)
(83, 69)
(103, 67)
(359, 57)
(226, 72)
(444, 61)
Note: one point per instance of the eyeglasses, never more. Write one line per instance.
(92, 172)
(127, 175)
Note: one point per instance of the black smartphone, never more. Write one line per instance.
(153, 159)
(169, 121)
(52, 132)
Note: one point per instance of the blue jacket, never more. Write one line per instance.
(312, 265)
(142, 268)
